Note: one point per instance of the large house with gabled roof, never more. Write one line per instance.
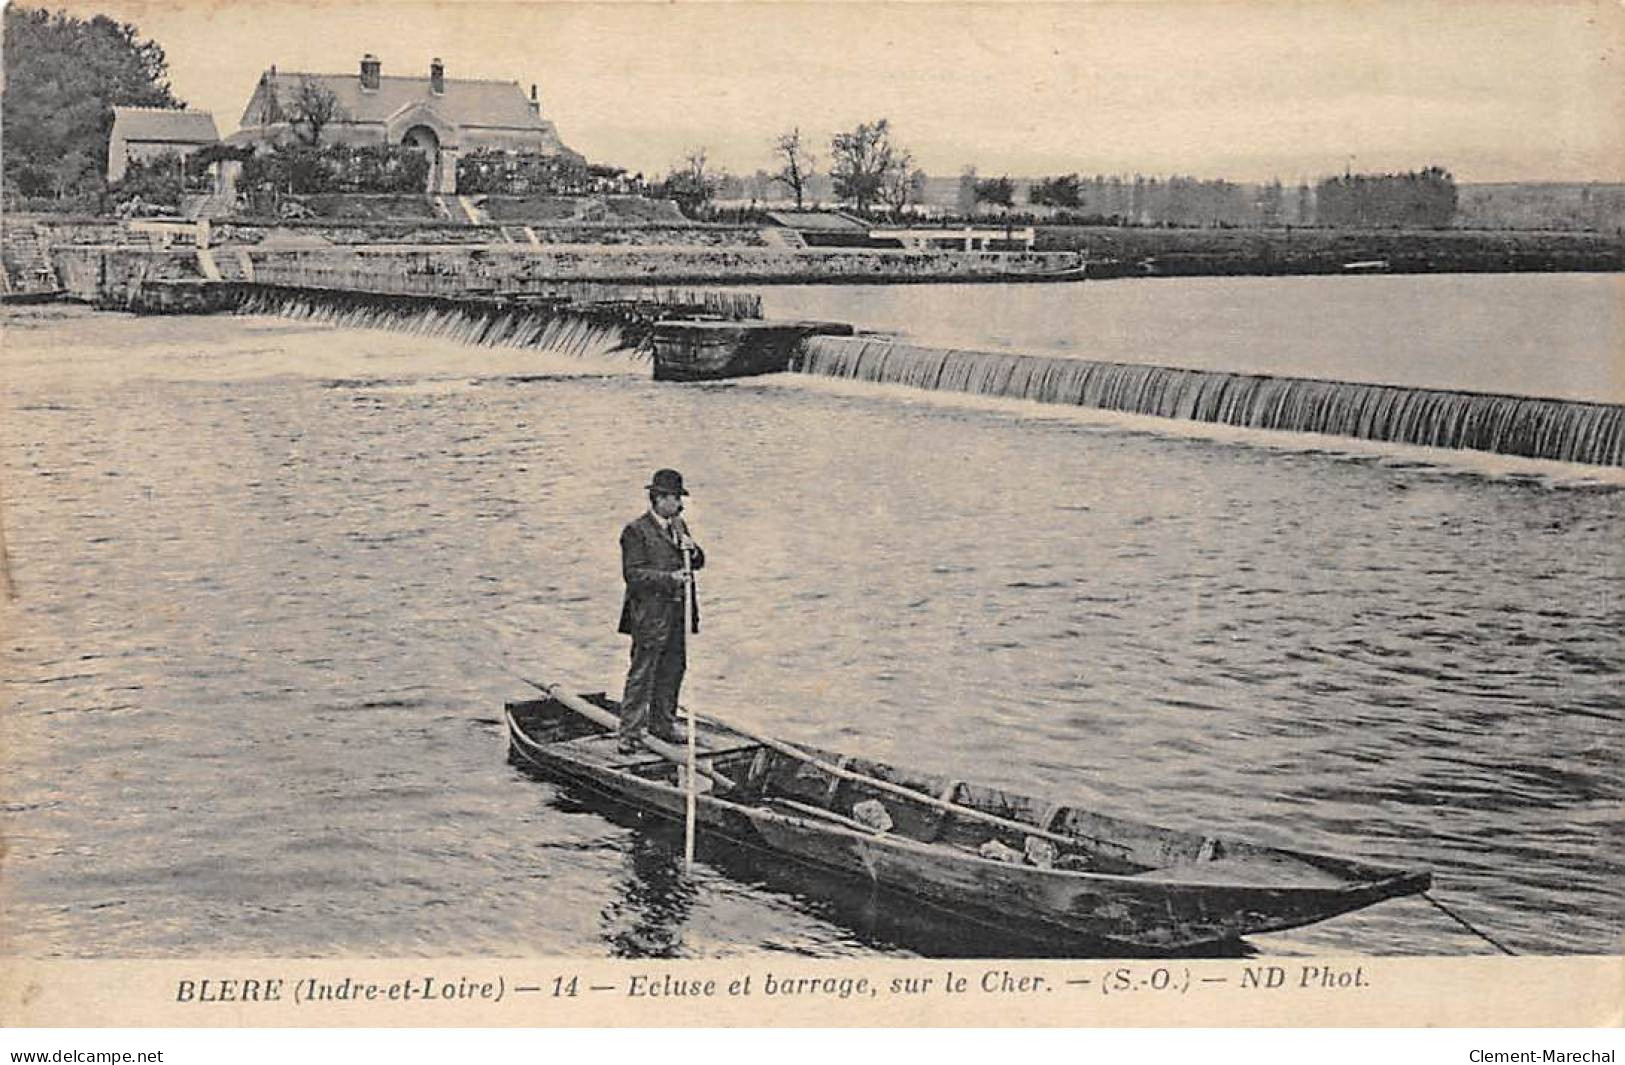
(442, 116)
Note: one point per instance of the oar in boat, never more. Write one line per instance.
(599, 716)
(957, 809)
(676, 756)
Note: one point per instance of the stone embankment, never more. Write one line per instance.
(99, 260)
(87, 230)
(506, 268)
(513, 233)
(110, 273)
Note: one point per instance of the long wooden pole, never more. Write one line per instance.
(688, 816)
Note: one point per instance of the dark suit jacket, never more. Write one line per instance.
(649, 565)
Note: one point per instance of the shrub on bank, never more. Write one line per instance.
(335, 168)
(510, 173)
(606, 210)
(159, 182)
(87, 203)
(372, 207)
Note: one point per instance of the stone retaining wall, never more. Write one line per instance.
(109, 275)
(508, 269)
(72, 229)
(450, 233)
(58, 230)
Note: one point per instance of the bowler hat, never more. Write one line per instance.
(668, 482)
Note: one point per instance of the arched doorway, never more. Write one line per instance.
(427, 141)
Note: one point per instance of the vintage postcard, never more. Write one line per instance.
(528, 514)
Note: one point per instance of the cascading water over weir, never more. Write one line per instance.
(575, 329)
(719, 334)
(1556, 429)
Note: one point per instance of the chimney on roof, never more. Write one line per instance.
(535, 104)
(371, 72)
(437, 76)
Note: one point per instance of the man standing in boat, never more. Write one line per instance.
(657, 586)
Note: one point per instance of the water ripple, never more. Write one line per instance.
(256, 714)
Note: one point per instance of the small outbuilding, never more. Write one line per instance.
(143, 133)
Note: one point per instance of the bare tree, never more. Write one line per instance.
(692, 183)
(695, 162)
(798, 164)
(865, 162)
(313, 108)
(903, 185)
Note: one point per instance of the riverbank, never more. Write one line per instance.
(694, 252)
(1144, 251)
(113, 273)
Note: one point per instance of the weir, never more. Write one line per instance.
(691, 336)
(1556, 429)
(553, 325)
(715, 335)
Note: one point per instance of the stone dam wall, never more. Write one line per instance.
(105, 272)
(506, 268)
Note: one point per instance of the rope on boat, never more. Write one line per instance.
(1459, 919)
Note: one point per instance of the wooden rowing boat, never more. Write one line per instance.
(996, 857)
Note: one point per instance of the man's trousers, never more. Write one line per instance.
(659, 658)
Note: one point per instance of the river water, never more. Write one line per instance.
(260, 571)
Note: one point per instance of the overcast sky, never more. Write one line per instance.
(1494, 91)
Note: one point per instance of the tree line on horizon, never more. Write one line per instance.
(1421, 199)
(869, 169)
